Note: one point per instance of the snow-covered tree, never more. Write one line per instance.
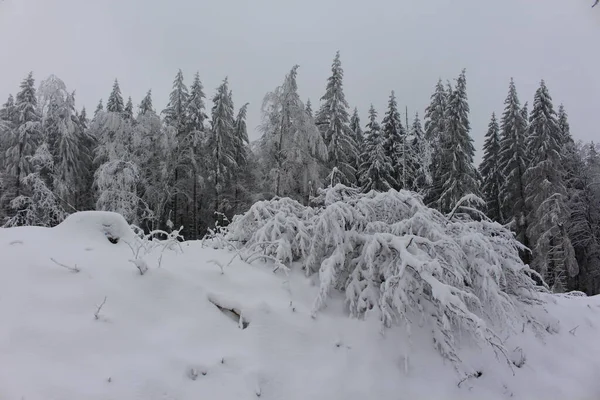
(175, 112)
(309, 110)
(435, 128)
(490, 171)
(39, 206)
(376, 169)
(241, 179)
(333, 121)
(399, 261)
(291, 148)
(115, 100)
(421, 155)
(25, 136)
(355, 127)
(546, 196)
(513, 164)
(146, 104)
(99, 108)
(195, 108)
(221, 144)
(193, 157)
(359, 139)
(175, 116)
(395, 142)
(128, 110)
(458, 174)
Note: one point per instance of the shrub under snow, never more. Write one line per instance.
(395, 257)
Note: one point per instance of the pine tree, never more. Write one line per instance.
(435, 128)
(24, 139)
(376, 169)
(221, 142)
(309, 110)
(146, 104)
(359, 140)
(241, 156)
(115, 100)
(7, 112)
(490, 171)
(334, 121)
(128, 110)
(83, 119)
(99, 108)
(395, 142)
(356, 128)
(195, 108)
(27, 133)
(421, 158)
(459, 176)
(513, 164)
(175, 114)
(553, 253)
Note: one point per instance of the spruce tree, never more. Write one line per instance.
(27, 133)
(309, 110)
(175, 116)
(241, 177)
(435, 128)
(421, 158)
(221, 142)
(24, 140)
(395, 142)
(192, 155)
(99, 108)
(356, 128)
(513, 164)
(128, 110)
(115, 100)
(490, 171)
(146, 104)
(546, 196)
(359, 139)
(175, 113)
(83, 119)
(7, 112)
(195, 109)
(334, 121)
(459, 176)
(376, 169)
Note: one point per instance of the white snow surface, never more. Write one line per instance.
(159, 335)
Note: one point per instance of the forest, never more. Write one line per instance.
(192, 165)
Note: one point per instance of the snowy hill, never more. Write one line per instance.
(175, 332)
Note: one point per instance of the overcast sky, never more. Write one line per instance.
(401, 45)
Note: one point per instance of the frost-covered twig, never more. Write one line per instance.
(97, 313)
(140, 264)
(572, 331)
(74, 269)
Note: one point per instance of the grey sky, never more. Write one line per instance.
(404, 45)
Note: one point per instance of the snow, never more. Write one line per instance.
(161, 336)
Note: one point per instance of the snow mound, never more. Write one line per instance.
(188, 330)
(97, 225)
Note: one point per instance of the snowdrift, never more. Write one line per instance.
(188, 329)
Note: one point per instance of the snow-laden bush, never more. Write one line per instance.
(395, 257)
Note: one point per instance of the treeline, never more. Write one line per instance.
(191, 166)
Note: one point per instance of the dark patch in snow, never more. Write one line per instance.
(232, 313)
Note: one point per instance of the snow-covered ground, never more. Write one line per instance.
(160, 335)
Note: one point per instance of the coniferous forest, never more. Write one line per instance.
(192, 165)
